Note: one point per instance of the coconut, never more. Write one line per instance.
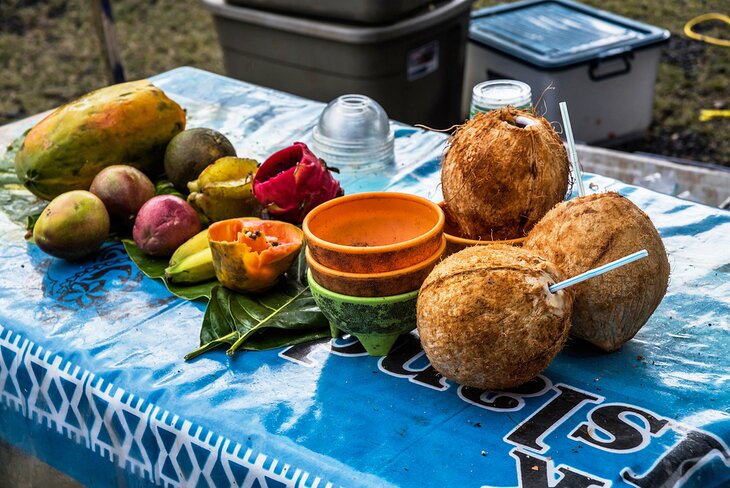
(501, 173)
(587, 232)
(487, 319)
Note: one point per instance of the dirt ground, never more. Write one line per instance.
(50, 54)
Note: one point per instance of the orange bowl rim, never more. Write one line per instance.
(436, 229)
(321, 268)
(480, 242)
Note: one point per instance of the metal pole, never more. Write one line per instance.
(104, 22)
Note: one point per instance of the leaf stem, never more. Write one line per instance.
(211, 345)
(260, 324)
(231, 350)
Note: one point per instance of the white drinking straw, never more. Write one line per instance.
(592, 273)
(572, 153)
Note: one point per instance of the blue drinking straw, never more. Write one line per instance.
(592, 273)
(572, 153)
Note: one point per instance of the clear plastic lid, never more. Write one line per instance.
(493, 94)
(354, 131)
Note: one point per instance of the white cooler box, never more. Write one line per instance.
(602, 65)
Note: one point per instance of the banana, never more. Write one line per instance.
(193, 245)
(195, 268)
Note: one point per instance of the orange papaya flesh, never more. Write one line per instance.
(249, 256)
(129, 123)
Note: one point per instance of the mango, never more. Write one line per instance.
(74, 225)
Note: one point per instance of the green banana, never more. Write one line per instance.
(195, 268)
(193, 245)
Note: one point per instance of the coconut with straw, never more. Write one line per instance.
(589, 231)
(501, 172)
(487, 319)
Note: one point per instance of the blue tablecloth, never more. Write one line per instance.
(93, 382)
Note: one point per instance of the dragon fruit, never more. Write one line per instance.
(293, 181)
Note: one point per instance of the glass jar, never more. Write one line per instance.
(493, 94)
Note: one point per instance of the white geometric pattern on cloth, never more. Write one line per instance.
(134, 434)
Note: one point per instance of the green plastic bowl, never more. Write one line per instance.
(375, 321)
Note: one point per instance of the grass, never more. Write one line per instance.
(50, 53)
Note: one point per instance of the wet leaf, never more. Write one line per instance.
(285, 315)
(15, 200)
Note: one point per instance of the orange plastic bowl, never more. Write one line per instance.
(383, 284)
(455, 243)
(374, 232)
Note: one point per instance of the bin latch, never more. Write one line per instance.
(596, 73)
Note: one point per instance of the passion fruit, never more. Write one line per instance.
(191, 151)
(124, 190)
(163, 224)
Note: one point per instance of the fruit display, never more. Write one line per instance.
(123, 189)
(487, 319)
(293, 181)
(224, 190)
(163, 224)
(375, 266)
(251, 255)
(586, 232)
(73, 226)
(501, 172)
(129, 123)
(191, 151)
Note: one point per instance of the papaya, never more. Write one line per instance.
(249, 255)
(129, 123)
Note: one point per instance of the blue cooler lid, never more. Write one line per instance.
(559, 33)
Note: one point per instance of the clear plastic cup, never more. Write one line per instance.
(353, 132)
(490, 95)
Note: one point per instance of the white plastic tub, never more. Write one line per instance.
(602, 65)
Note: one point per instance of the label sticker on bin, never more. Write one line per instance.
(423, 61)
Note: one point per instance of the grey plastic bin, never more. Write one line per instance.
(603, 65)
(413, 68)
(347, 11)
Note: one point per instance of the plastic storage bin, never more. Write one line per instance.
(603, 65)
(348, 11)
(413, 68)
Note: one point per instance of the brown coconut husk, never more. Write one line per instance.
(499, 178)
(487, 319)
(587, 232)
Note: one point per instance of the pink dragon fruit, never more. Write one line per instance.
(293, 181)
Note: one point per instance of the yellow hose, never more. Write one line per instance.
(708, 39)
(706, 115)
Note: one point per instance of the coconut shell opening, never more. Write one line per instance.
(501, 172)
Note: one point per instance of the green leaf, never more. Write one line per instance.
(267, 339)
(297, 272)
(165, 187)
(218, 321)
(218, 328)
(155, 268)
(30, 221)
(15, 200)
(285, 315)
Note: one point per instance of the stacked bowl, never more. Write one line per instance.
(455, 242)
(368, 255)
